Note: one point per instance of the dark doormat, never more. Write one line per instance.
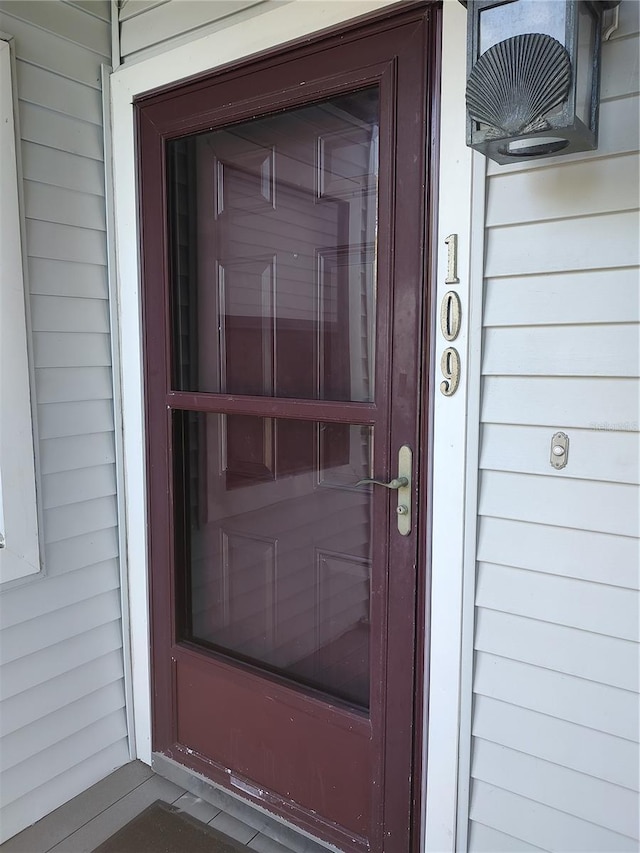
(161, 828)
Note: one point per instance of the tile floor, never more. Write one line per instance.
(93, 816)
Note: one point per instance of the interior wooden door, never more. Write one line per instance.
(283, 233)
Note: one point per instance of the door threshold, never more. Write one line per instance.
(275, 827)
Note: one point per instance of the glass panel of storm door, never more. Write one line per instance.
(278, 545)
(273, 232)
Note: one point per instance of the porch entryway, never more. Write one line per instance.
(98, 813)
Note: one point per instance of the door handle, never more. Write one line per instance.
(401, 484)
(396, 483)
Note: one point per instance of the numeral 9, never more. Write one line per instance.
(450, 367)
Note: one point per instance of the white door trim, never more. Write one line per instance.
(278, 25)
(455, 459)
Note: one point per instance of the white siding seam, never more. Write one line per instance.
(553, 808)
(125, 5)
(547, 574)
(542, 572)
(561, 719)
(520, 615)
(105, 593)
(37, 106)
(565, 324)
(80, 82)
(84, 228)
(563, 272)
(62, 186)
(549, 376)
(113, 708)
(43, 144)
(560, 476)
(554, 220)
(507, 834)
(84, 754)
(87, 11)
(548, 165)
(68, 672)
(550, 668)
(578, 429)
(42, 29)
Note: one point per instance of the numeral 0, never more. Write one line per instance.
(450, 367)
(450, 315)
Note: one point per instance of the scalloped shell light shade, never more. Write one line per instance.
(515, 83)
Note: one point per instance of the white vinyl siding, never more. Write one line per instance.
(555, 724)
(148, 27)
(62, 715)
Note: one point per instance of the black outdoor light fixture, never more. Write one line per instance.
(533, 76)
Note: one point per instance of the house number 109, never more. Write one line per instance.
(450, 322)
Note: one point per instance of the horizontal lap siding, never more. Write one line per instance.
(555, 727)
(62, 717)
(148, 27)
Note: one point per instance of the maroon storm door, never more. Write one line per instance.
(283, 247)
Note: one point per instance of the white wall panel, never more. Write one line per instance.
(49, 697)
(61, 132)
(63, 20)
(46, 50)
(156, 24)
(66, 314)
(77, 349)
(566, 502)
(599, 557)
(557, 192)
(65, 522)
(53, 92)
(30, 603)
(595, 753)
(543, 827)
(71, 419)
(578, 794)
(79, 777)
(66, 207)
(66, 278)
(62, 169)
(77, 552)
(563, 298)
(605, 660)
(61, 724)
(593, 607)
(22, 640)
(610, 404)
(563, 350)
(82, 451)
(65, 385)
(546, 247)
(65, 657)
(63, 243)
(82, 484)
(62, 716)
(486, 840)
(595, 454)
(557, 657)
(576, 700)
